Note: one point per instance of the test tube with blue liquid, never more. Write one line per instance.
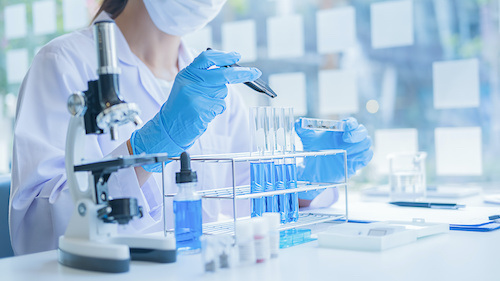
(290, 166)
(262, 176)
(282, 202)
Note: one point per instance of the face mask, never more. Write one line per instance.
(180, 17)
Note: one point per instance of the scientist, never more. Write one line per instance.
(187, 105)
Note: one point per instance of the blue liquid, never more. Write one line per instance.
(293, 198)
(188, 228)
(282, 203)
(262, 179)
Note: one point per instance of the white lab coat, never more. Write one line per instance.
(41, 205)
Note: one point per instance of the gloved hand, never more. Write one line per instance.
(354, 140)
(197, 97)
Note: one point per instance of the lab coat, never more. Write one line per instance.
(41, 204)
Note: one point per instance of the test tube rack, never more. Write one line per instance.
(235, 192)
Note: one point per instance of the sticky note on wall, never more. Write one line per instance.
(285, 37)
(240, 36)
(338, 92)
(15, 21)
(44, 17)
(456, 84)
(336, 30)
(392, 24)
(75, 14)
(199, 40)
(389, 141)
(291, 91)
(458, 151)
(17, 65)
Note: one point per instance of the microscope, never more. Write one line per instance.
(91, 241)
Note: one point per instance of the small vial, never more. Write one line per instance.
(209, 253)
(273, 221)
(261, 239)
(226, 250)
(245, 242)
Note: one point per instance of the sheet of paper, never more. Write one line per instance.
(291, 91)
(285, 37)
(459, 151)
(199, 40)
(392, 24)
(456, 84)
(336, 30)
(377, 211)
(17, 65)
(15, 21)
(75, 14)
(389, 141)
(240, 36)
(338, 92)
(44, 17)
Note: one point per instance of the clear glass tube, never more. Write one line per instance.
(290, 165)
(262, 176)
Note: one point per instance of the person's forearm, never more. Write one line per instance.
(142, 175)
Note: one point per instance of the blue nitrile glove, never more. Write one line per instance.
(354, 140)
(196, 98)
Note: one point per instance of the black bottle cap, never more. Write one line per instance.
(185, 175)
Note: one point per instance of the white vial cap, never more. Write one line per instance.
(273, 220)
(260, 226)
(244, 230)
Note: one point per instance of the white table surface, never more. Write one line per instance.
(454, 256)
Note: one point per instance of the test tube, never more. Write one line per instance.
(291, 166)
(262, 172)
(282, 201)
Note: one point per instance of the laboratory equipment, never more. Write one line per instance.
(245, 242)
(187, 208)
(262, 172)
(257, 85)
(210, 253)
(261, 239)
(91, 241)
(273, 221)
(407, 176)
(294, 237)
(282, 146)
(378, 236)
(286, 143)
(322, 124)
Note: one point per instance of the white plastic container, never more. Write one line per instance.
(273, 222)
(245, 242)
(261, 239)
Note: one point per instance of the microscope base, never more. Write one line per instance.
(93, 256)
(114, 254)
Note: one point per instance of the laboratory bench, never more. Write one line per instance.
(457, 255)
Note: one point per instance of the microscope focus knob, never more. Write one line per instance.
(77, 104)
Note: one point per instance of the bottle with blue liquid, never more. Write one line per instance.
(187, 208)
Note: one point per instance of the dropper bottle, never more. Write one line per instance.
(187, 208)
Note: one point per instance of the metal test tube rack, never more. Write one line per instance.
(244, 192)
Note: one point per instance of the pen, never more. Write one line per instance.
(494, 217)
(428, 205)
(258, 85)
